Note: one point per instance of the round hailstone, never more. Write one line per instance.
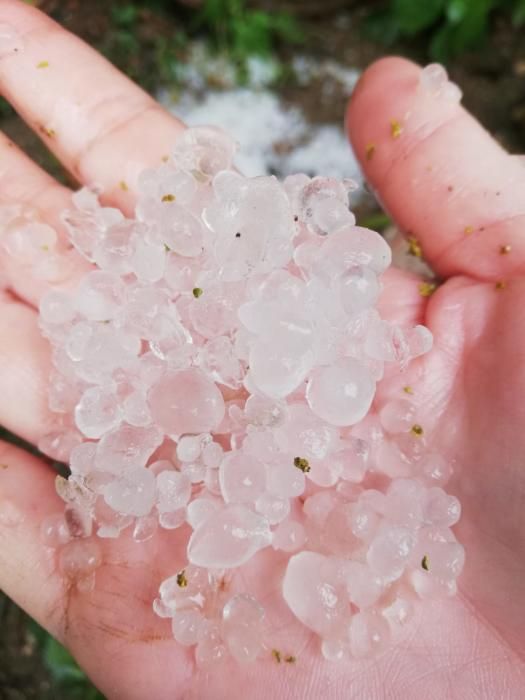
(185, 234)
(314, 593)
(289, 536)
(188, 626)
(441, 509)
(174, 491)
(229, 539)
(398, 416)
(359, 289)
(351, 246)
(369, 634)
(29, 242)
(279, 367)
(126, 447)
(98, 411)
(54, 530)
(79, 558)
(132, 493)
(433, 78)
(186, 402)
(242, 478)
(404, 503)
(200, 509)
(148, 261)
(56, 307)
(364, 589)
(389, 552)
(99, 296)
(341, 394)
(435, 468)
(189, 447)
(242, 626)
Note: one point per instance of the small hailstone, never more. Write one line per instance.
(186, 402)
(56, 308)
(148, 261)
(404, 503)
(136, 410)
(132, 493)
(30, 242)
(389, 552)
(277, 368)
(399, 612)
(398, 416)
(172, 519)
(364, 589)
(333, 649)
(369, 634)
(314, 594)
(341, 394)
(435, 469)
(99, 296)
(243, 620)
(189, 448)
(433, 78)
(200, 509)
(174, 491)
(273, 508)
(54, 531)
(242, 478)
(195, 471)
(230, 539)
(441, 509)
(145, 528)
(98, 412)
(359, 289)
(212, 455)
(184, 234)
(188, 626)
(211, 650)
(126, 447)
(79, 558)
(289, 536)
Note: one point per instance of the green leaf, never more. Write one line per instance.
(440, 47)
(125, 15)
(382, 26)
(518, 14)
(377, 221)
(456, 10)
(61, 664)
(415, 15)
(473, 27)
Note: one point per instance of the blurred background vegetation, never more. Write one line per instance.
(482, 42)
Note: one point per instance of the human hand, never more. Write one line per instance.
(469, 389)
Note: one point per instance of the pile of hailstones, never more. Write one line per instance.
(217, 370)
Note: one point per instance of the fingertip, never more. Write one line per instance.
(390, 74)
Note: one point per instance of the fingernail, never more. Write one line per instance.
(10, 41)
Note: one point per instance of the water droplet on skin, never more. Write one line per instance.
(10, 516)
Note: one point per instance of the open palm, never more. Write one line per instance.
(453, 188)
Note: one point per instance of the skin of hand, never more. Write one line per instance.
(444, 180)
